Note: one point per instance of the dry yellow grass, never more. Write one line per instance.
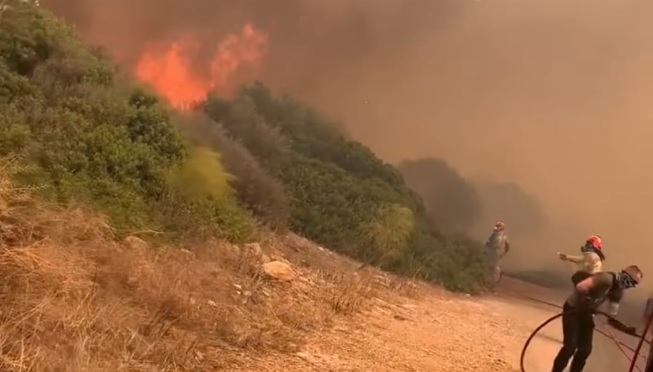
(73, 299)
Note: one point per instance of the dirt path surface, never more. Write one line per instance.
(439, 331)
(606, 356)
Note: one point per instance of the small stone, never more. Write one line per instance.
(280, 271)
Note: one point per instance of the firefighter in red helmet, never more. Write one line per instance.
(590, 261)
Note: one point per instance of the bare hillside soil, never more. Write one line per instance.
(72, 299)
(434, 330)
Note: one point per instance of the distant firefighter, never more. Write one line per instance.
(497, 246)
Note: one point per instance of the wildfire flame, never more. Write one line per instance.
(169, 70)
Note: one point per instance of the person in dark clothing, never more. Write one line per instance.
(578, 313)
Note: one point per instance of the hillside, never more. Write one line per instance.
(124, 222)
(75, 299)
(86, 134)
(237, 234)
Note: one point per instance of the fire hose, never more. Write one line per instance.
(611, 320)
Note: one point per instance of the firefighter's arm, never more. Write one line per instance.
(507, 246)
(574, 259)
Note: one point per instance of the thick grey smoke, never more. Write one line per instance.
(554, 95)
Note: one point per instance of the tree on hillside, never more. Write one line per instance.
(341, 194)
(111, 144)
(241, 120)
(99, 140)
(255, 187)
(451, 201)
(387, 233)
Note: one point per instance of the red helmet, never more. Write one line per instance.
(499, 225)
(594, 241)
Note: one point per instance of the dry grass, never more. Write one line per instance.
(72, 299)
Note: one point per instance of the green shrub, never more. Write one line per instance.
(201, 201)
(102, 142)
(201, 177)
(255, 188)
(96, 139)
(386, 233)
(241, 121)
(341, 194)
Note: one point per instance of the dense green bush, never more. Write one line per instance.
(341, 194)
(255, 188)
(100, 140)
(200, 202)
(97, 141)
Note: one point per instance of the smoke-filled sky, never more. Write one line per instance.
(552, 94)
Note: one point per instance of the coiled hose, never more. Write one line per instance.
(612, 321)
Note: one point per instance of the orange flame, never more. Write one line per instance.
(169, 71)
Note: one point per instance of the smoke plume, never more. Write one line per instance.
(552, 95)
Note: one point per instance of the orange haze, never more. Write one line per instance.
(555, 95)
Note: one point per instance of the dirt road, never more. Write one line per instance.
(442, 332)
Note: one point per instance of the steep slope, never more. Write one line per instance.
(341, 194)
(73, 299)
(232, 169)
(123, 232)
